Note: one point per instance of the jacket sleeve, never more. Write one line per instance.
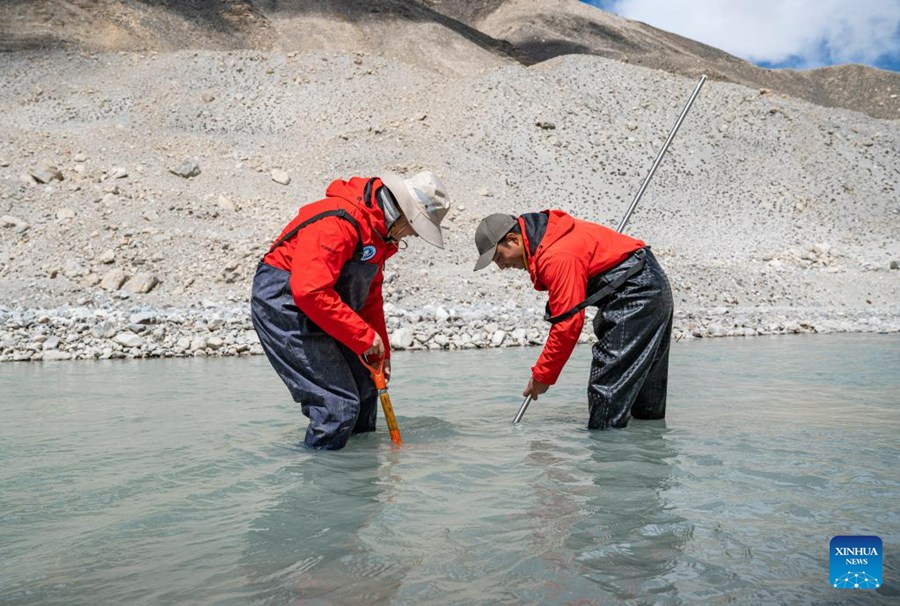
(326, 246)
(566, 279)
(372, 310)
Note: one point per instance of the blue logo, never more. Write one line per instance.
(856, 562)
(368, 252)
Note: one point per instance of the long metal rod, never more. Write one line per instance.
(659, 156)
(522, 410)
(637, 197)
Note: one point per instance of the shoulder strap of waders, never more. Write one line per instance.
(337, 212)
(598, 295)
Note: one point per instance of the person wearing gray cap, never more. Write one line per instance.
(316, 301)
(582, 264)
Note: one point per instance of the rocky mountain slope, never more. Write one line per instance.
(138, 189)
(525, 31)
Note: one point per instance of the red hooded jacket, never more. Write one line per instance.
(561, 260)
(316, 255)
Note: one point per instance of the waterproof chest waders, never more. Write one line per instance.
(633, 326)
(326, 378)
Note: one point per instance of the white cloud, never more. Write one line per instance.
(809, 33)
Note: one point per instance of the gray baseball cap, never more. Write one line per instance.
(488, 234)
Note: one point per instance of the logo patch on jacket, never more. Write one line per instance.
(367, 252)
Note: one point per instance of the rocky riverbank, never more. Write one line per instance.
(106, 332)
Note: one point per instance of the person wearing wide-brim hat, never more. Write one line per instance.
(582, 264)
(317, 303)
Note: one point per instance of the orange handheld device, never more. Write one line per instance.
(381, 385)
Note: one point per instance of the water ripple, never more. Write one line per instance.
(120, 487)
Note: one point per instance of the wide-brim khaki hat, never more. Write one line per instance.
(423, 200)
(488, 234)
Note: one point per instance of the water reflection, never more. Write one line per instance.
(602, 518)
(309, 545)
(632, 540)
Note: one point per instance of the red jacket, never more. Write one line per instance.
(316, 255)
(561, 261)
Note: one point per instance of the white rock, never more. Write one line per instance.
(187, 169)
(402, 338)
(226, 204)
(441, 314)
(128, 339)
(142, 283)
(46, 174)
(821, 249)
(72, 269)
(280, 176)
(10, 221)
(104, 330)
(113, 279)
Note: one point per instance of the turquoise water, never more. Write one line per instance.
(181, 482)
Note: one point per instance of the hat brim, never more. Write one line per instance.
(485, 259)
(420, 222)
(425, 229)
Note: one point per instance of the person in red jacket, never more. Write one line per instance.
(317, 304)
(581, 264)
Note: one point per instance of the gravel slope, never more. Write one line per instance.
(770, 214)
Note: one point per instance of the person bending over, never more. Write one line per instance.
(316, 301)
(580, 264)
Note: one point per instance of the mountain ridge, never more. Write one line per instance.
(525, 31)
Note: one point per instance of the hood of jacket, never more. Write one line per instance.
(354, 191)
(542, 230)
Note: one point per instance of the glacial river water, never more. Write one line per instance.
(181, 482)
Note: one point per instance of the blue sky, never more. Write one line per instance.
(779, 33)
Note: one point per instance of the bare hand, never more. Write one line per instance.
(387, 370)
(376, 348)
(535, 388)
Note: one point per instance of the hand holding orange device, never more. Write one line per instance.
(381, 385)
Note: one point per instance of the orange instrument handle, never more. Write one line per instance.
(377, 373)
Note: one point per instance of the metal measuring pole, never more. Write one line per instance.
(659, 156)
(637, 197)
(522, 409)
